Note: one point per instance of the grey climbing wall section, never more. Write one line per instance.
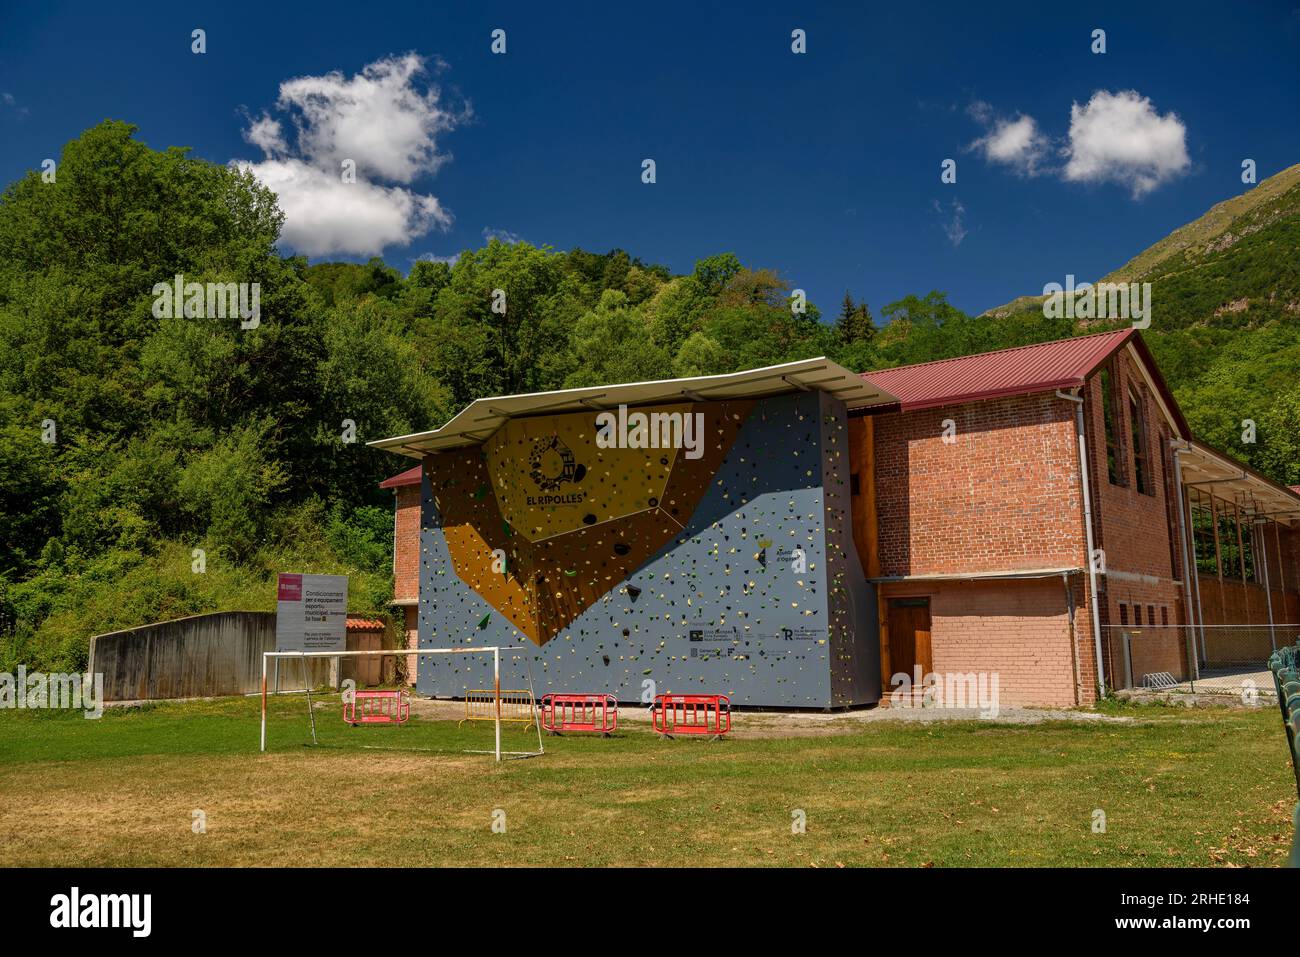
(759, 596)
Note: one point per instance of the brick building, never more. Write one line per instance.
(406, 554)
(978, 488)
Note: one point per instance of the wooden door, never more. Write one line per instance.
(909, 635)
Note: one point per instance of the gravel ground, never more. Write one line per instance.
(772, 724)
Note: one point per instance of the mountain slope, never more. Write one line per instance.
(1225, 223)
(1225, 321)
(1274, 200)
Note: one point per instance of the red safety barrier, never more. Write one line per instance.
(692, 714)
(377, 707)
(597, 713)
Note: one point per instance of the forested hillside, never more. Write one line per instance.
(128, 442)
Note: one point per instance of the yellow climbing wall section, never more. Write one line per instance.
(542, 522)
(551, 475)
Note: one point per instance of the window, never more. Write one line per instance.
(1114, 467)
(1123, 613)
(1164, 614)
(1141, 463)
(1207, 560)
(1151, 615)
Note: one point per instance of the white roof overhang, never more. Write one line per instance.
(478, 420)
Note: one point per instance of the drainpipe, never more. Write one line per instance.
(1191, 577)
(1087, 525)
(1074, 634)
(1268, 589)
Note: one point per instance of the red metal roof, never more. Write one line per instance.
(409, 477)
(1063, 364)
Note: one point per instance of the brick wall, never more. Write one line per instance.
(1291, 571)
(1003, 495)
(406, 566)
(1016, 629)
(406, 543)
(1232, 601)
(1136, 529)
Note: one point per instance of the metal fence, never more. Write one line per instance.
(1209, 659)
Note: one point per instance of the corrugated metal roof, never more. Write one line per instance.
(409, 477)
(1063, 364)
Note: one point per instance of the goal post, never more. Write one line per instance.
(496, 700)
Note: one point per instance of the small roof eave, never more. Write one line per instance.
(478, 420)
(992, 574)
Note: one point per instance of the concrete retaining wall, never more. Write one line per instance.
(199, 656)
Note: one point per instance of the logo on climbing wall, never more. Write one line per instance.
(551, 465)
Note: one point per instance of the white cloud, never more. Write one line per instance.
(379, 119)
(324, 216)
(505, 235)
(1121, 138)
(1016, 143)
(267, 135)
(953, 223)
(9, 100)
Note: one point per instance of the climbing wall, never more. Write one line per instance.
(641, 570)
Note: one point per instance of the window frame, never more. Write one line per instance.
(1143, 477)
(1116, 471)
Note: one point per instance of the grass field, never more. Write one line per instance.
(1178, 787)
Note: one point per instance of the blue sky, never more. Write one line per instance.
(824, 166)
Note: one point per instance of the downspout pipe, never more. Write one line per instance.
(1190, 573)
(1262, 558)
(1087, 526)
(1074, 635)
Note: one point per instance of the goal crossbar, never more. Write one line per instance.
(495, 651)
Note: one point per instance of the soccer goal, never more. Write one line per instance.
(493, 705)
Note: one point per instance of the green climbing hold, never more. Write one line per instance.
(482, 622)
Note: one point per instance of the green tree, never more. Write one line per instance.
(612, 343)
